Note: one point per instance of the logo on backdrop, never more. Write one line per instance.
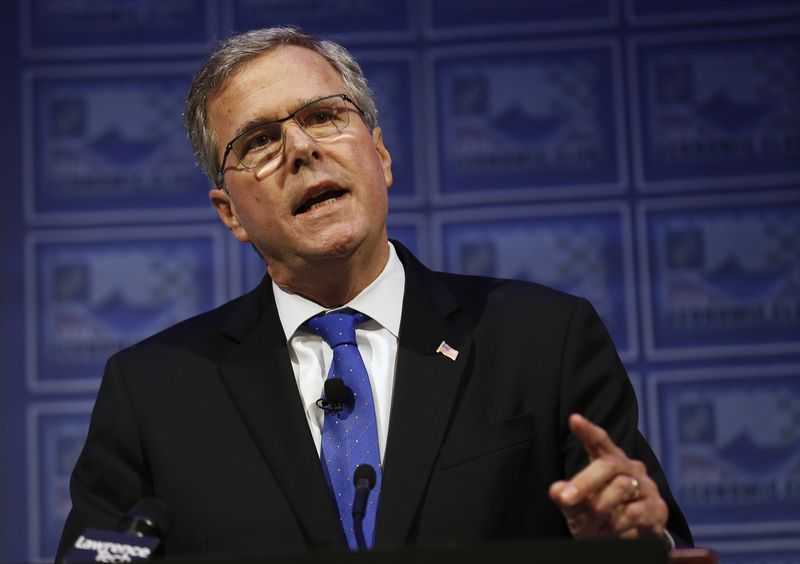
(727, 461)
(527, 119)
(710, 289)
(111, 143)
(719, 109)
(98, 296)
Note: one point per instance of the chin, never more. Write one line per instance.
(339, 246)
(345, 233)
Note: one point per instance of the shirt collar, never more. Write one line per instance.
(382, 300)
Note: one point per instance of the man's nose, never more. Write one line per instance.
(299, 146)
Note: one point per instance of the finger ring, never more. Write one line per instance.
(635, 488)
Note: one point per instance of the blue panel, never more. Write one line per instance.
(725, 276)
(727, 461)
(709, 10)
(95, 297)
(103, 23)
(524, 120)
(716, 110)
(446, 14)
(107, 143)
(325, 17)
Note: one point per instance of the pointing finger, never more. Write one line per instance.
(595, 440)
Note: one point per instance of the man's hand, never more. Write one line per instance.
(613, 496)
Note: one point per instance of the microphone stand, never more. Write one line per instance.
(364, 481)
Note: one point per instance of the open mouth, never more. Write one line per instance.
(320, 200)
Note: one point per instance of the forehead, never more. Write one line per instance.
(271, 86)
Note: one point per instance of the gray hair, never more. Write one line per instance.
(235, 51)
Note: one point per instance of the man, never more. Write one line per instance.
(477, 383)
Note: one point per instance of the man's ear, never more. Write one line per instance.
(227, 213)
(383, 153)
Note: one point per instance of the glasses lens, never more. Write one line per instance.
(259, 145)
(323, 117)
(318, 119)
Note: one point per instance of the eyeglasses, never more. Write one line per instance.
(263, 143)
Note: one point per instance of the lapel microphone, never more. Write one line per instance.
(338, 398)
(364, 481)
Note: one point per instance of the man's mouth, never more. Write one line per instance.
(323, 199)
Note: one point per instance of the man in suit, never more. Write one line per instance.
(478, 440)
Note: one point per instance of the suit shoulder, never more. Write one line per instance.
(201, 334)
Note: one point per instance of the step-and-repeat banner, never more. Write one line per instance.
(644, 154)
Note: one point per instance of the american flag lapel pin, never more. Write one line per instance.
(447, 351)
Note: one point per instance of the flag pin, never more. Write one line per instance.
(447, 351)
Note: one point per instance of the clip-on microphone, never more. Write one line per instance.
(338, 398)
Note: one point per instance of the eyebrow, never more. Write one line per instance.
(256, 122)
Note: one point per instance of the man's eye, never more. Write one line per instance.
(320, 117)
(258, 141)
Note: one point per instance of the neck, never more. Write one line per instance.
(333, 281)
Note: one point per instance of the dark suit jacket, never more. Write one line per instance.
(206, 416)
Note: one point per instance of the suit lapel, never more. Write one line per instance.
(426, 385)
(260, 380)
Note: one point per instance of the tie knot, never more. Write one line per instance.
(336, 327)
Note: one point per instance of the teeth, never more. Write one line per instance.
(320, 200)
(323, 203)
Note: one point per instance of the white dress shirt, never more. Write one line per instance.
(311, 357)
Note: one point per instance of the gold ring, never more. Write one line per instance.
(636, 489)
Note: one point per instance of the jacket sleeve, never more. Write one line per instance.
(111, 473)
(595, 384)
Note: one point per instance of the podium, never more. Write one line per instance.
(555, 551)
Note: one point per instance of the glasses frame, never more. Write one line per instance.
(292, 116)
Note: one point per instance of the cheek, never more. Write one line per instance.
(255, 210)
(360, 156)
(370, 168)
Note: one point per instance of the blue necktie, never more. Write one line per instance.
(349, 438)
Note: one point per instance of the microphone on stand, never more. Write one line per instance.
(148, 518)
(364, 481)
(137, 536)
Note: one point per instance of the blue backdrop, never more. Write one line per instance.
(642, 153)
